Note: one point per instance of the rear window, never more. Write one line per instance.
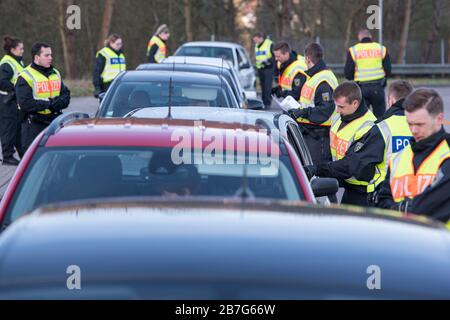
(128, 96)
(69, 174)
(211, 52)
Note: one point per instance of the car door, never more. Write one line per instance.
(244, 70)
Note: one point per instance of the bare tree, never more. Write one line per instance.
(404, 32)
(106, 22)
(350, 20)
(433, 32)
(67, 39)
(188, 20)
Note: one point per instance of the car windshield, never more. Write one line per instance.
(203, 51)
(128, 96)
(61, 174)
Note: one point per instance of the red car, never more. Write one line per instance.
(78, 158)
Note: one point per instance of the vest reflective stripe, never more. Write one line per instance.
(43, 88)
(404, 181)
(309, 90)
(162, 48)
(396, 135)
(263, 53)
(340, 140)
(368, 58)
(286, 79)
(15, 66)
(114, 64)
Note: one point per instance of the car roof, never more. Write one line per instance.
(166, 75)
(219, 44)
(153, 133)
(185, 67)
(207, 61)
(230, 244)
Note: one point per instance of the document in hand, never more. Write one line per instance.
(287, 103)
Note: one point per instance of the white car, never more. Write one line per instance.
(230, 51)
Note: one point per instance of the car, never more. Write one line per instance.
(247, 103)
(230, 51)
(226, 250)
(139, 89)
(78, 158)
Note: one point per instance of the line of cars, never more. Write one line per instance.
(175, 189)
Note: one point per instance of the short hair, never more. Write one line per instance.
(314, 52)
(424, 98)
(162, 29)
(350, 90)
(36, 48)
(365, 33)
(10, 43)
(113, 37)
(282, 46)
(258, 35)
(400, 89)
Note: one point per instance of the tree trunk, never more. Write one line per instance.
(404, 32)
(348, 30)
(67, 40)
(188, 20)
(316, 19)
(106, 23)
(433, 33)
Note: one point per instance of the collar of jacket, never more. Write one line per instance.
(259, 45)
(430, 143)
(17, 58)
(366, 40)
(319, 66)
(115, 51)
(41, 69)
(362, 109)
(395, 110)
(292, 58)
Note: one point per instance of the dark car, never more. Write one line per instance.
(145, 89)
(222, 250)
(238, 91)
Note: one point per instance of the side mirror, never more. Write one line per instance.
(323, 187)
(255, 104)
(101, 96)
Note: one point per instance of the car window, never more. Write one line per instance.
(296, 140)
(79, 173)
(239, 58)
(243, 57)
(128, 96)
(204, 51)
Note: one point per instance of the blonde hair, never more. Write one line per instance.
(161, 29)
(112, 38)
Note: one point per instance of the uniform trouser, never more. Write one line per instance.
(10, 134)
(373, 94)
(355, 196)
(265, 80)
(30, 130)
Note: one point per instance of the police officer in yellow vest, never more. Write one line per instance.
(417, 176)
(109, 62)
(351, 122)
(265, 65)
(157, 48)
(290, 71)
(368, 63)
(41, 94)
(317, 105)
(10, 66)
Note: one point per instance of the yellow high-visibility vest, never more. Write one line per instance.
(340, 140)
(162, 48)
(15, 66)
(114, 64)
(368, 58)
(43, 87)
(396, 135)
(405, 181)
(290, 72)
(263, 53)
(309, 90)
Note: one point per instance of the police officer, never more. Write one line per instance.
(417, 174)
(10, 66)
(265, 65)
(352, 121)
(368, 63)
(157, 48)
(41, 94)
(109, 62)
(291, 71)
(317, 105)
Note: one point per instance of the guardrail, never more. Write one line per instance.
(431, 69)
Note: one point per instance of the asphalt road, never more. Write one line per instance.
(90, 105)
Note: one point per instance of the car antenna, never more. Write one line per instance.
(169, 114)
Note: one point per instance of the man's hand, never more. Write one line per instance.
(310, 171)
(277, 91)
(97, 92)
(295, 113)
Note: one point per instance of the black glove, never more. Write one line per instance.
(295, 113)
(57, 104)
(404, 205)
(9, 97)
(97, 92)
(310, 171)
